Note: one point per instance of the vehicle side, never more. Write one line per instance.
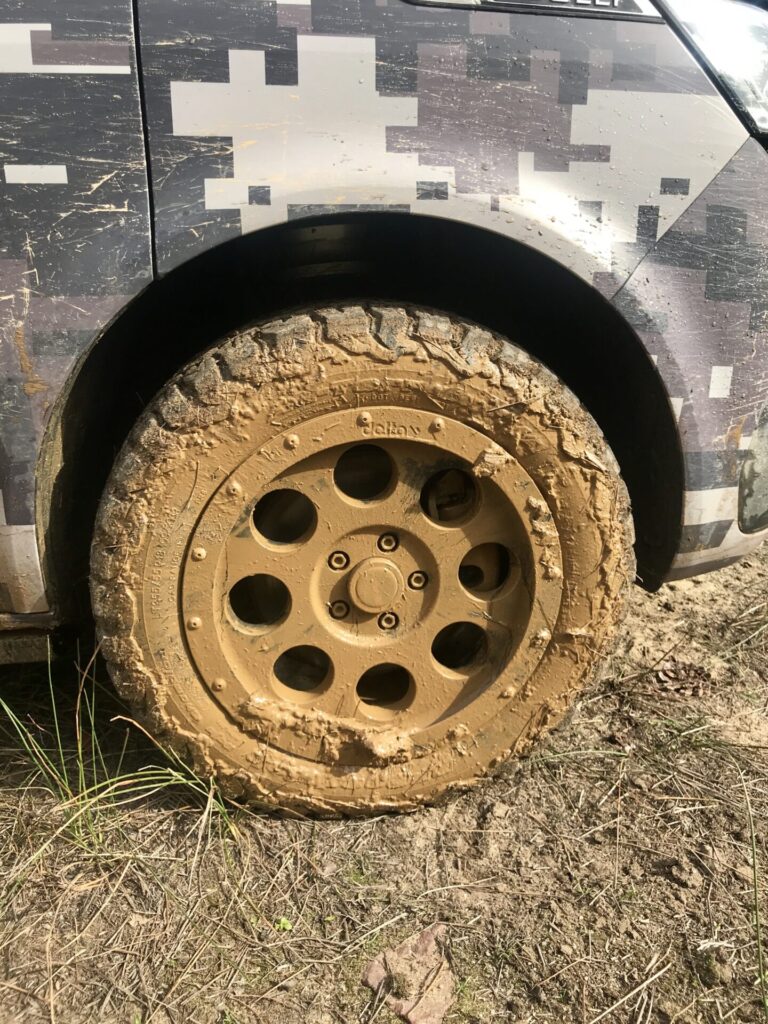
(578, 184)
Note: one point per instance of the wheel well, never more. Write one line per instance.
(500, 283)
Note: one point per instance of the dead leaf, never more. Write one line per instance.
(415, 978)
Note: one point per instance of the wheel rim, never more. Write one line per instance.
(370, 584)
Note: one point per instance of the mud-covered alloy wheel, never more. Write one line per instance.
(353, 558)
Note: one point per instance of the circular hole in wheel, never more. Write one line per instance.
(285, 516)
(384, 686)
(364, 472)
(260, 600)
(449, 496)
(460, 645)
(303, 668)
(485, 568)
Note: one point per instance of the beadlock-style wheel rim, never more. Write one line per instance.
(370, 582)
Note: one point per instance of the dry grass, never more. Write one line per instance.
(617, 875)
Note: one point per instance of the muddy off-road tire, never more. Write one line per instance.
(351, 559)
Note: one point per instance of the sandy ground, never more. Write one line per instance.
(616, 861)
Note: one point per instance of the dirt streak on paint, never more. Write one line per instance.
(33, 383)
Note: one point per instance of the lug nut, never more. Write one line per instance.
(339, 609)
(417, 580)
(338, 560)
(388, 620)
(387, 542)
(198, 554)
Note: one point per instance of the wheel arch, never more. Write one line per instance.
(469, 271)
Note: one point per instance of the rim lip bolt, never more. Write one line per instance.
(338, 560)
(388, 621)
(388, 542)
(418, 580)
(338, 609)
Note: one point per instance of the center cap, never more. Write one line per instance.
(374, 584)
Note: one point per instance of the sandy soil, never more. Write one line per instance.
(610, 876)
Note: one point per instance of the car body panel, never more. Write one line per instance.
(699, 302)
(75, 241)
(592, 140)
(535, 127)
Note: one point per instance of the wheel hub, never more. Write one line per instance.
(375, 584)
(355, 590)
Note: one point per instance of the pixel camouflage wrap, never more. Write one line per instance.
(535, 126)
(75, 239)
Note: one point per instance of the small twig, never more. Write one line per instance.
(23, 992)
(458, 885)
(650, 668)
(618, 827)
(756, 898)
(634, 992)
(562, 969)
